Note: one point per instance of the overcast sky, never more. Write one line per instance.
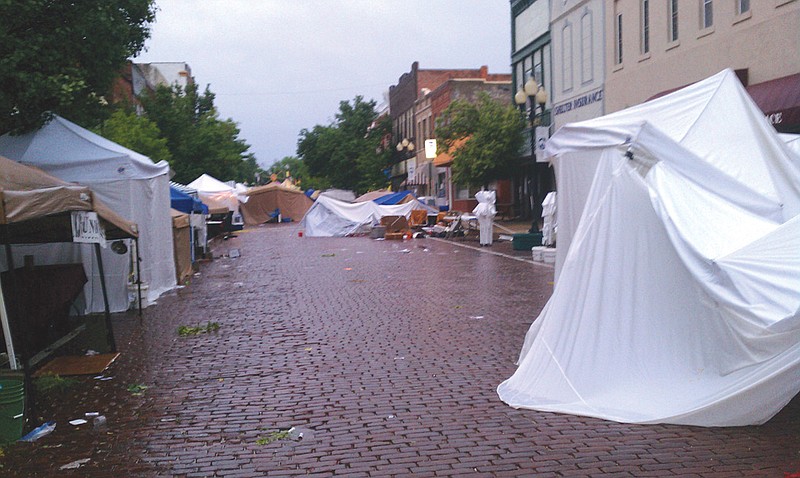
(278, 66)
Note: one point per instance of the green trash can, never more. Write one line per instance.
(525, 241)
(12, 409)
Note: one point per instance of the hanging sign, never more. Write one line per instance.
(542, 135)
(86, 228)
(430, 148)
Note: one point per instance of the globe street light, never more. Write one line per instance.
(538, 98)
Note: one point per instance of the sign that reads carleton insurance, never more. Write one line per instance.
(579, 102)
(86, 228)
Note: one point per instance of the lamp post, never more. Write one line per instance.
(538, 98)
(406, 150)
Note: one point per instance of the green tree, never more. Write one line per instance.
(137, 133)
(298, 172)
(61, 57)
(494, 137)
(199, 141)
(344, 152)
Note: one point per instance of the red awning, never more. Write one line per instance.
(779, 99)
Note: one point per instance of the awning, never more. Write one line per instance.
(444, 159)
(779, 99)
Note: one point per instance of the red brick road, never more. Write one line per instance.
(385, 355)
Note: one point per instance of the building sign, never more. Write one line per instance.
(86, 228)
(430, 148)
(579, 102)
(542, 135)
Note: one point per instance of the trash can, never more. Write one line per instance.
(12, 408)
(525, 241)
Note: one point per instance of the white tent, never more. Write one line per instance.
(678, 294)
(329, 217)
(128, 182)
(216, 194)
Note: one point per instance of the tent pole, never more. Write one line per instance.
(12, 357)
(26, 364)
(138, 277)
(109, 329)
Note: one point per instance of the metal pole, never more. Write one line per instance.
(535, 211)
(109, 329)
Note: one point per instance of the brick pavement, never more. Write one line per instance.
(385, 355)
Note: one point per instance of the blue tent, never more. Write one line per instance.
(393, 198)
(184, 203)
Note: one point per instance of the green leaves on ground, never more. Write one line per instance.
(187, 330)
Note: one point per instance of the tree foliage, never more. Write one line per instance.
(494, 137)
(137, 133)
(298, 171)
(62, 56)
(199, 141)
(343, 154)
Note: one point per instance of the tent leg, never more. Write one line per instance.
(109, 329)
(12, 357)
(29, 408)
(138, 277)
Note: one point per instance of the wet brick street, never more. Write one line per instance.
(384, 355)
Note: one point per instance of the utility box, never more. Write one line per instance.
(526, 241)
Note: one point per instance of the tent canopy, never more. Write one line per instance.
(35, 207)
(218, 196)
(184, 203)
(330, 217)
(678, 290)
(127, 182)
(263, 201)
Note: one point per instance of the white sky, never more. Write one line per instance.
(278, 66)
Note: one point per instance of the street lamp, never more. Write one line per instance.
(405, 149)
(538, 98)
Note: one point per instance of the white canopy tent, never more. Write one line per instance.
(216, 194)
(329, 217)
(678, 290)
(128, 182)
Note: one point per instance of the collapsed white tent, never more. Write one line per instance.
(128, 182)
(329, 217)
(678, 294)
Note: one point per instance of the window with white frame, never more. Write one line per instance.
(587, 56)
(618, 39)
(673, 20)
(566, 57)
(644, 41)
(706, 13)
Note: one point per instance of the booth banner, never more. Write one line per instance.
(86, 228)
(542, 135)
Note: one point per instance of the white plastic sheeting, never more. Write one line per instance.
(678, 295)
(329, 217)
(129, 183)
(485, 212)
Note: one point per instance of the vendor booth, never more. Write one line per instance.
(677, 297)
(267, 203)
(128, 182)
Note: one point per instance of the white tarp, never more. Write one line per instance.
(329, 217)
(678, 295)
(128, 182)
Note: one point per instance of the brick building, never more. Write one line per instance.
(415, 103)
